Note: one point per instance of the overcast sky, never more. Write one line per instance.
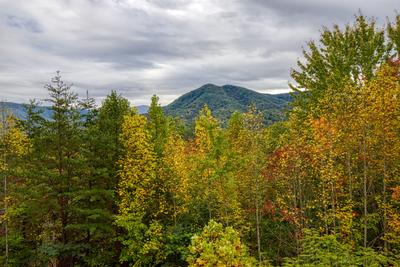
(163, 47)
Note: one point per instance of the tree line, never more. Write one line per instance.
(106, 186)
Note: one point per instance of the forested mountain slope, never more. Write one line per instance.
(224, 100)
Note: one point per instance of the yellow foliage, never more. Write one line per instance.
(136, 185)
(13, 141)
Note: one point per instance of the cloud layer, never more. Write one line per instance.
(163, 47)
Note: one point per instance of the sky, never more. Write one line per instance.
(163, 47)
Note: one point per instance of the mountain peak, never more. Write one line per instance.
(208, 85)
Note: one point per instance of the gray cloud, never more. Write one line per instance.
(163, 47)
(23, 23)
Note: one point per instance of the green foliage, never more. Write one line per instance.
(327, 250)
(342, 56)
(64, 191)
(109, 124)
(393, 31)
(158, 126)
(143, 243)
(218, 246)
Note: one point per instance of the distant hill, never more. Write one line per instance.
(224, 100)
(19, 110)
(142, 109)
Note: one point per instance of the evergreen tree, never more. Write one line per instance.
(96, 198)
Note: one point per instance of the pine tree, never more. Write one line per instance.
(96, 198)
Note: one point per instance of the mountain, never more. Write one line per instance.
(224, 100)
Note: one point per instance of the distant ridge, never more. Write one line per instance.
(18, 110)
(224, 100)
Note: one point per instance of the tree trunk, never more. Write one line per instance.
(365, 193)
(385, 244)
(258, 229)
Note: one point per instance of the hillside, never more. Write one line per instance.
(224, 100)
